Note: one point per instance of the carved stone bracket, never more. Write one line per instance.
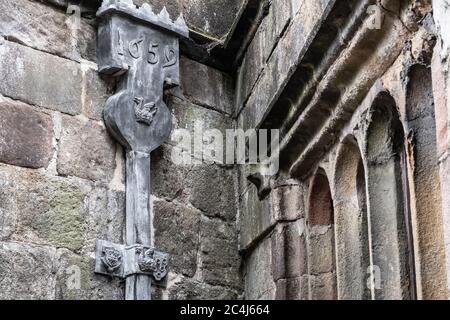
(122, 261)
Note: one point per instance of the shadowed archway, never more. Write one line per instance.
(389, 213)
(321, 252)
(352, 243)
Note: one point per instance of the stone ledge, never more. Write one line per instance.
(324, 123)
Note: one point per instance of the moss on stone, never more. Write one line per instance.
(51, 211)
(65, 216)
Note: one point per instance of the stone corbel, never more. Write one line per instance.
(263, 184)
(122, 261)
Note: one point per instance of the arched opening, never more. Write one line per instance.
(321, 252)
(389, 214)
(426, 187)
(352, 243)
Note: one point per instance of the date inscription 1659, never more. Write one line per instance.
(152, 53)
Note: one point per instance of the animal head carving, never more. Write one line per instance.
(144, 112)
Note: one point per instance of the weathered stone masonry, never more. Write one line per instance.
(63, 175)
(359, 90)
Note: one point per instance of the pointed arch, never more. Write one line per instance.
(352, 243)
(388, 198)
(321, 249)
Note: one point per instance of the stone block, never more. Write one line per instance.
(288, 203)
(440, 103)
(220, 260)
(87, 8)
(106, 217)
(37, 26)
(176, 230)
(203, 16)
(86, 150)
(209, 188)
(295, 6)
(289, 253)
(174, 7)
(255, 216)
(212, 191)
(27, 272)
(321, 253)
(8, 203)
(323, 287)
(440, 14)
(168, 180)
(293, 288)
(205, 86)
(259, 281)
(274, 25)
(76, 280)
(51, 210)
(261, 48)
(250, 70)
(32, 76)
(296, 249)
(210, 17)
(59, 3)
(96, 91)
(445, 191)
(197, 121)
(188, 289)
(25, 135)
(281, 289)
(352, 250)
(288, 54)
(186, 115)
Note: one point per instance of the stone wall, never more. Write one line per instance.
(358, 210)
(62, 175)
(275, 225)
(201, 15)
(441, 91)
(359, 92)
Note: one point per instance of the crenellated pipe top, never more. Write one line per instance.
(145, 14)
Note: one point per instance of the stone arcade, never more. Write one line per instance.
(91, 90)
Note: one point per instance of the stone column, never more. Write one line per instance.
(441, 91)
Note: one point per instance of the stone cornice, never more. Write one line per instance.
(313, 106)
